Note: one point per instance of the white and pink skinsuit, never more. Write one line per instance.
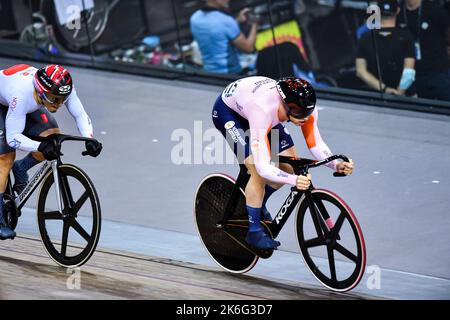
(257, 99)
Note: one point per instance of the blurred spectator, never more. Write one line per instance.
(395, 48)
(220, 38)
(429, 24)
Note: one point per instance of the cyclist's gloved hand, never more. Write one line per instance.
(49, 150)
(93, 148)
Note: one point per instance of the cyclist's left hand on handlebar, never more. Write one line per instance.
(49, 150)
(93, 148)
(345, 167)
(303, 182)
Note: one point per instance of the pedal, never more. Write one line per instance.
(263, 254)
(237, 230)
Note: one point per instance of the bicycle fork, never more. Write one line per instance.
(321, 218)
(62, 189)
(57, 186)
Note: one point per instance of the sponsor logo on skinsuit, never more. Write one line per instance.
(15, 144)
(282, 174)
(236, 135)
(229, 125)
(14, 103)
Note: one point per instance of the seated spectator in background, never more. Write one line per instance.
(429, 24)
(395, 48)
(220, 38)
(291, 63)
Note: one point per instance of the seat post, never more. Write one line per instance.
(241, 182)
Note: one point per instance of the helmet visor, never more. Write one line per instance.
(297, 112)
(53, 99)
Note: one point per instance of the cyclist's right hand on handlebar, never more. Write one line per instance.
(93, 148)
(345, 168)
(49, 149)
(303, 182)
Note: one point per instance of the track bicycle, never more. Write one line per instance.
(68, 207)
(326, 227)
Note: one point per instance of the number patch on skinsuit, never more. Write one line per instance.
(14, 69)
(231, 89)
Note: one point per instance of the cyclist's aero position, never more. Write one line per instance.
(262, 104)
(27, 97)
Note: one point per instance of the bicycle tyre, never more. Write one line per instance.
(211, 200)
(346, 214)
(91, 237)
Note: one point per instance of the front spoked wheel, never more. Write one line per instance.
(331, 242)
(69, 238)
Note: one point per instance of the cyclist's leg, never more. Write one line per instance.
(291, 152)
(7, 156)
(234, 128)
(280, 138)
(254, 194)
(39, 123)
(254, 191)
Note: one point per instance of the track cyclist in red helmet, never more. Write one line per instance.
(28, 96)
(261, 105)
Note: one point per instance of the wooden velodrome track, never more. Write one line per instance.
(28, 273)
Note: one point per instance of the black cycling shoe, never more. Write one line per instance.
(260, 239)
(6, 232)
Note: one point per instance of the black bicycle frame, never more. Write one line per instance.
(35, 181)
(241, 182)
(62, 185)
(301, 167)
(286, 210)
